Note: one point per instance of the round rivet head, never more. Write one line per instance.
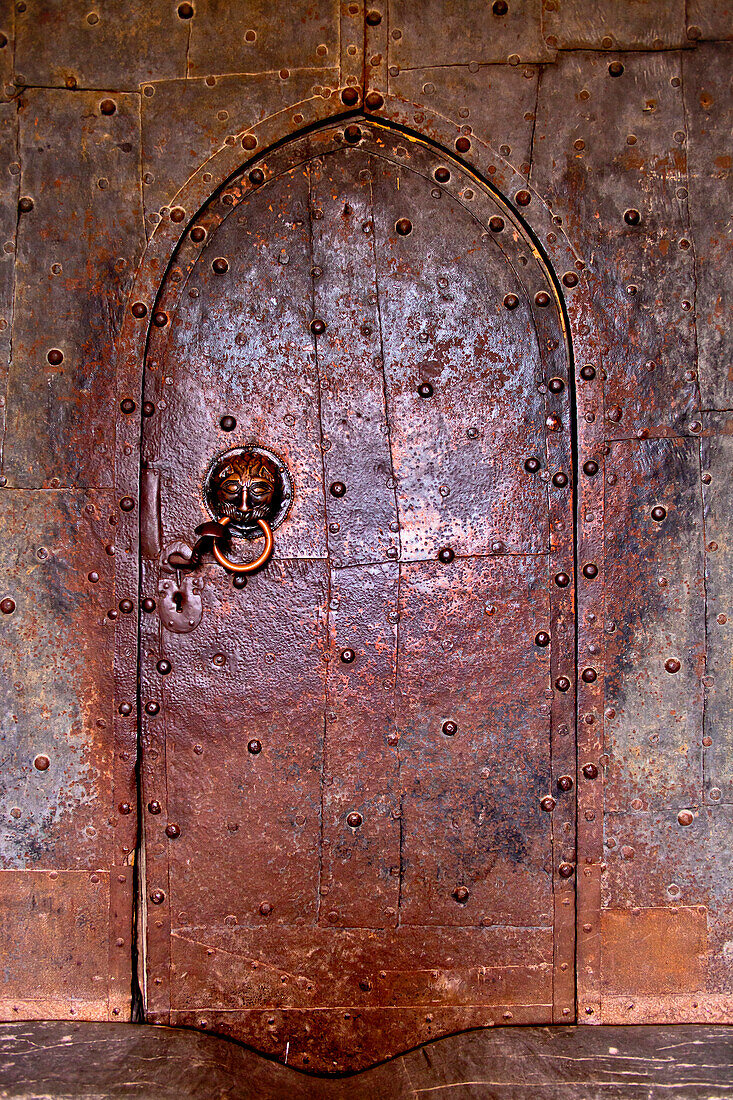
(350, 97)
(542, 298)
(337, 489)
(590, 570)
(500, 7)
(124, 808)
(42, 763)
(220, 265)
(55, 357)
(425, 390)
(373, 18)
(172, 831)
(164, 667)
(139, 309)
(318, 326)
(25, 205)
(352, 134)
(570, 279)
(157, 897)
(565, 783)
(446, 555)
(587, 373)
(632, 217)
(562, 580)
(548, 804)
(126, 607)
(404, 227)
(589, 675)
(228, 423)
(560, 480)
(442, 175)
(185, 10)
(523, 198)
(590, 468)
(511, 301)
(148, 408)
(239, 581)
(590, 771)
(542, 638)
(154, 807)
(615, 68)
(532, 465)
(160, 319)
(256, 177)
(127, 504)
(562, 683)
(254, 746)
(659, 514)
(125, 709)
(128, 405)
(7, 606)
(198, 234)
(93, 576)
(374, 101)
(566, 870)
(348, 656)
(461, 894)
(553, 423)
(265, 909)
(685, 817)
(556, 385)
(496, 224)
(148, 604)
(463, 144)
(450, 729)
(672, 665)
(152, 707)
(354, 820)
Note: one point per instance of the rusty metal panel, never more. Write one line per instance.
(54, 944)
(438, 32)
(56, 679)
(709, 19)
(654, 607)
(9, 188)
(614, 24)
(78, 244)
(717, 461)
(497, 101)
(609, 155)
(230, 37)
(7, 47)
(73, 44)
(707, 75)
(209, 113)
(654, 950)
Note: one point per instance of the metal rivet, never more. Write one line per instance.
(148, 604)
(198, 234)
(548, 804)
(152, 707)
(256, 177)
(337, 489)
(672, 665)
(354, 820)
(556, 385)
(511, 301)
(154, 807)
(373, 18)
(126, 606)
(160, 319)
(590, 570)
(228, 423)
(685, 817)
(352, 134)
(566, 871)
(25, 205)
(463, 144)
(125, 709)
(562, 683)
(461, 894)
(42, 763)
(178, 214)
(442, 175)
(500, 7)
(157, 897)
(164, 667)
(265, 909)
(542, 638)
(350, 96)
(139, 309)
(249, 141)
(55, 357)
(590, 771)
(124, 808)
(542, 298)
(127, 504)
(7, 606)
(570, 279)
(589, 675)
(128, 405)
(532, 465)
(185, 11)
(659, 514)
(565, 783)
(403, 227)
(587, 373)
(632, 217)
(148, 408)
(446, 555)
(553, 423)
(523, 198)
(590, 468)
(374, 101)
(348, 656)
(615, 68)
(254, 746)
(93, 577)
(425, 389)
(562, 580)
(239, 581)
(318, 326)
(220, 265)
(560, 480)
(172, 831)
(450, 728)
(496, 224)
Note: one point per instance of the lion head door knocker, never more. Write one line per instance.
(247, 491)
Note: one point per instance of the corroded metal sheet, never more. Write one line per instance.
(230, 37)
(7, 42)
(620, 118)
(614, 24)
(709, 19)
(56, 679)
(78, 244)
(310, 740)
(8, 224)
(210, 112)
(440, 33)
(77, 45)
(654, 950)
(708, 84)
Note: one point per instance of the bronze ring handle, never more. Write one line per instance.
(247, 566)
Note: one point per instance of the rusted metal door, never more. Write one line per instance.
(357, 761)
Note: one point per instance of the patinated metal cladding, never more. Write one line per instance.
(576, 122)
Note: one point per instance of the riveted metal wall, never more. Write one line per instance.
(604, 126)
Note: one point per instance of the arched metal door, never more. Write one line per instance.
(358, 766)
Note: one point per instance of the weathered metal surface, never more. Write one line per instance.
(9, 189)
(614, 24)
(440, 33)
(77, 45)
(210, 112)
(77, 247)
(7, 44)
(365, 812)
(230, 37)
(709, 19)
(654, 950)
(707, 84)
